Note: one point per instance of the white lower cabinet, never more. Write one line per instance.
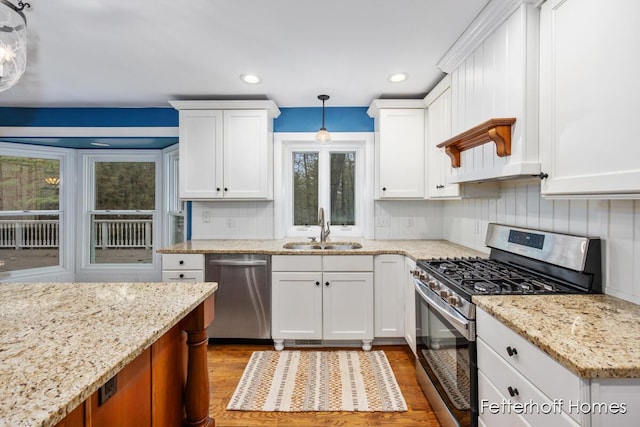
(534, 386)
(410, 305)
(389, 287)
(183, 267)
(316, 297)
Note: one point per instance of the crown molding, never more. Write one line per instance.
(489, 18)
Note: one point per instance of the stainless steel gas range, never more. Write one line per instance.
(523, 262)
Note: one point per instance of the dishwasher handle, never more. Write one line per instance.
(238, 262)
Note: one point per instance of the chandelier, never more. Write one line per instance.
(13, 43)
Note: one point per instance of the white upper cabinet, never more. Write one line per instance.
(438, 104)
(226, 149)
(589, 89)
(400, 137)
(494, 75)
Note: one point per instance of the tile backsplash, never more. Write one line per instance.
(617, 222)
(232, 220)
(464, 222)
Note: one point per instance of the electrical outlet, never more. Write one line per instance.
(410, 222)
(383, 221)
(232, 222)
(206, 217)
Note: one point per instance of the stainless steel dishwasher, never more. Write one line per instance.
(243, 298)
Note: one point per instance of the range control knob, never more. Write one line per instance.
(434, 285)
(454, 300)
(444, 294)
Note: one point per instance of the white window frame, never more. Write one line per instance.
(173, 205)
(92, 271)
(64, 271)
(284, 146)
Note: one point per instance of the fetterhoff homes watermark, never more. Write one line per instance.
(554, 407)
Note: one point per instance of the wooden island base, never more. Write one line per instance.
(165, 386)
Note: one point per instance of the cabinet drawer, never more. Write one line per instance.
(487, 392)
(538, 367)
(296, 263)
(183, 276)
(541, 409)
(347, 263)
(183, 262)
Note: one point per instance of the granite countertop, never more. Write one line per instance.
(594, 336)
(416, 249)
(59, 342)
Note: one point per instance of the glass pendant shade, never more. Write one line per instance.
(323, 135)
(13, 44)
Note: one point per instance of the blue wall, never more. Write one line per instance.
(305, 119)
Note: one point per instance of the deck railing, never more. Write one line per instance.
(108, 233)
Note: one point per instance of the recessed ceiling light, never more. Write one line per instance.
(398, 77)
(101, 144)
(251, 79)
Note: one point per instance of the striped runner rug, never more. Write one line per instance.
(296, 381)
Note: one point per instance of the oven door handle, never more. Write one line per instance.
(462, 325)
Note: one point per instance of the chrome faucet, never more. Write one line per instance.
(323, 232)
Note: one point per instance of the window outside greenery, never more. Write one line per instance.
(307, 188)
(122, 221)
(29, 212)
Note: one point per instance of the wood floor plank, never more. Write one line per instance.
(227, 363)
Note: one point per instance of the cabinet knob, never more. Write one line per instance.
(384, 188)
(326, 283)
(217, 188)
(181, 276)
(317, 283)
(511, 351)
(226, 189)
(512, 391)
(181, 262)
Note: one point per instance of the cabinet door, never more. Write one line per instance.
(247, 159)
(588, 95)
(347, 306)
(296, 309)
(389, 284)
(410, 305)
(439, 130)
(200, 135)
(400, 153)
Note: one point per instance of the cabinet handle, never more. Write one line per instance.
(542, 175)
(317, 283)
(326, 283)
(181, 262)
(511, 351)
(512, 391)
(181, 276)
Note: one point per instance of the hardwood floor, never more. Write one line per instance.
(227, 362)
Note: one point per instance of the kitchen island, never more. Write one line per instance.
(62, 345)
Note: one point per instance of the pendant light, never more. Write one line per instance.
(323, 134)
(13, 43)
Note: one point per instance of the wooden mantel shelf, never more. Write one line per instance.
(496, 130)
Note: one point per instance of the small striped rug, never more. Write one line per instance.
(296, 381)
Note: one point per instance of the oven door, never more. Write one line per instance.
(446, 362)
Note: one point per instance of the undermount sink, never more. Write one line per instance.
(336, 246)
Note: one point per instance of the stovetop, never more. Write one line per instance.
(478, 276)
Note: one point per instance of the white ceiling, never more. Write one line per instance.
(118, 53)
